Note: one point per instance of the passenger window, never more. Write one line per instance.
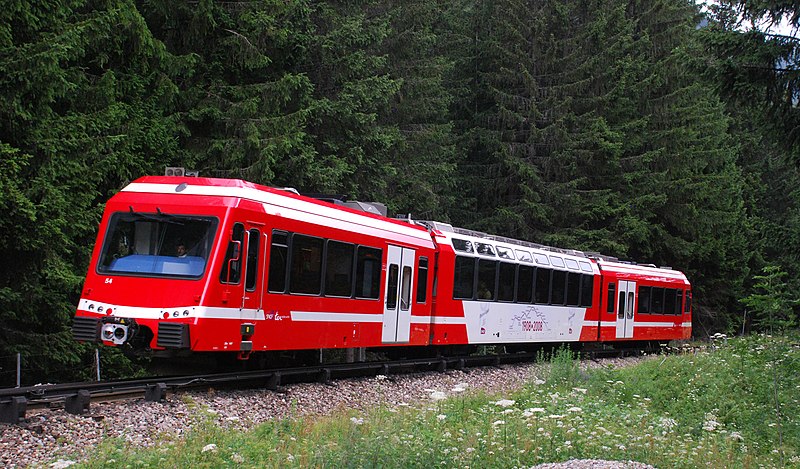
(507, 281)
(611, 297)
(542, 286)
(487, 273)
(339, 269)
(525, 284)
(278, 256)
(587, 290)
(422, 282)
(687, 304)
(368, 272)
(306, 272)
(232, 265)
(669, 301)
(573, 289)
(559, 284)
(251, 274)
(462, 245)
(464, 278)
(644, 300)
(657, 302)
(678, 301)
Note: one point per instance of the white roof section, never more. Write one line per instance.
(640, 269)
(285, 205)
(500, 248)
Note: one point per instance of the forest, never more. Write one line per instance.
(659, 131)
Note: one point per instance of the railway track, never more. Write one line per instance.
(76, 398)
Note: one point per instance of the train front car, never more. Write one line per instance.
(229, 267)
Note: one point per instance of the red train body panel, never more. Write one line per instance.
(214, 265)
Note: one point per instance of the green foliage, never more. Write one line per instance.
(771, 302)
(704, 410)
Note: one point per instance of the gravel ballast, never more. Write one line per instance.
(54, 438)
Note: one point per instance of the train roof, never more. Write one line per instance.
(275, 197)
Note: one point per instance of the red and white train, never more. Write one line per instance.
(214, 265)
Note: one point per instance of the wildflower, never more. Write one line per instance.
(574, 409)
(441, 417)
(504, 402)
(498, 422)
(555, 416)
(469, 450)
(290, 458)
(380, 377)
(508, 411)
(736, 436)
(212, 448)
(438, 395)
(237, 458)
(580, 390)
(357, 421)
(538, 382)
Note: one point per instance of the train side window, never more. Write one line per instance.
(573, 288)
(464, 278)
(462, 245)
(278, 257)
(542, 286)
(657, 301)
(305, 276)
(391, 293)
(678, 302)
(422, 281)
(669, 301)
(621, 311)
(525, 284)
(368, 272)
(559, 284)
(405, 288)
(339, 269)
(232, 265)
(687, 303)
(507, 281)
(587, 290)
(487, 276)
(611, 296)
(251, 272)
(644, 300)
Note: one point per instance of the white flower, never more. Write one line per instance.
(574, 409)
(380, 377)
(290, 458)
(62, 463)
(212, 448)
(460, 387)
(469, 450)
(736, 436)
(356, 421)
(237, 458)
(580, 390)
(508, 411)
(438, 395)
(555, 416)
(538, 382)
(441, 417)
(505, 403)
(498, 422)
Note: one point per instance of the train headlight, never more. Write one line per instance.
(115, 333)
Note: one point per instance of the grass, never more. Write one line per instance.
(735, 406)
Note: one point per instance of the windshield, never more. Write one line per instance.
(157, 244)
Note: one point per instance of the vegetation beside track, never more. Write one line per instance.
(735, 405)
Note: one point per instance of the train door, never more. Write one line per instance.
(626, 302)
(253, 274)
(242, 260)
(399, 285)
